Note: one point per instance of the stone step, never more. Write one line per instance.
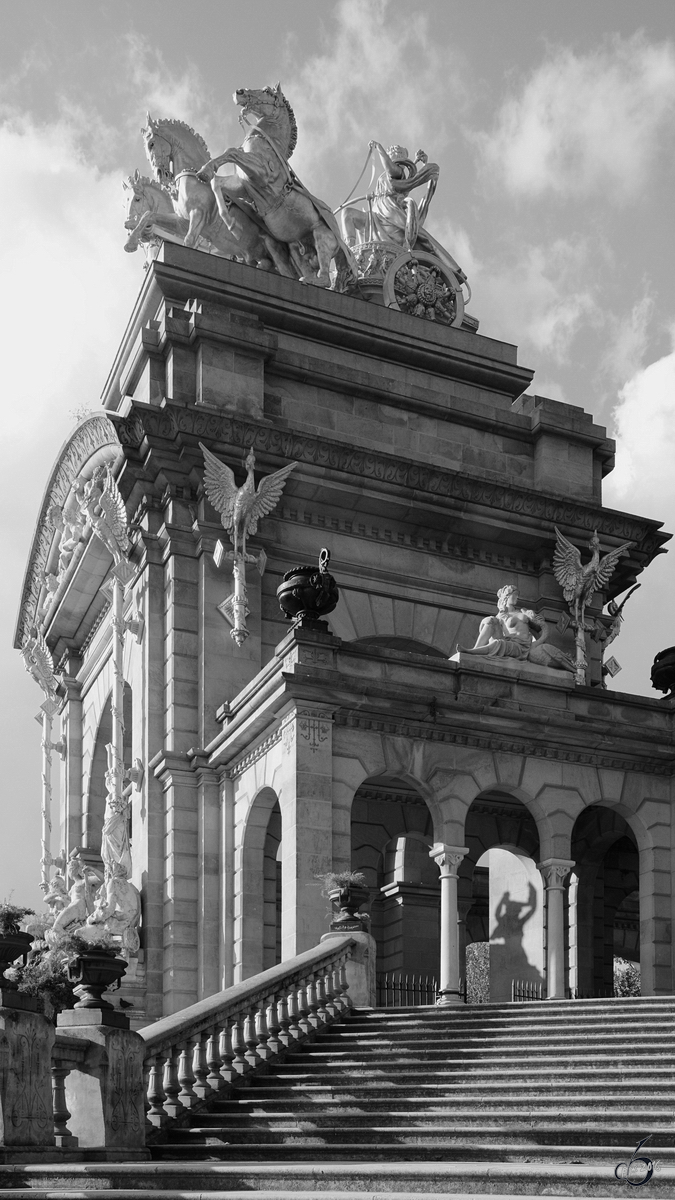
(402, 1145)
(333, 1180)
(422, 1047)
(517, 1076)
(448, 1134)
(546, 1089)
(444, 1063)
(414, 1107)
(660, 1121)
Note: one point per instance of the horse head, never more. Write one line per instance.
(275, 114)
(143, 195)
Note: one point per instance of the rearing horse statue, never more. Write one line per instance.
(290, 213)
(231, 229)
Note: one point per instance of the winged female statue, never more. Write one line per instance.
(580, 581)
(38, 662)
(104, 508)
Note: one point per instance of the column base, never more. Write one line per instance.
(445, 998)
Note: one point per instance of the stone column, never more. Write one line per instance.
(554, 871)
(448, 858)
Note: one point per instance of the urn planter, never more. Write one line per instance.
(12, 946)
(308, 593)
(347, 901)
(93, 971)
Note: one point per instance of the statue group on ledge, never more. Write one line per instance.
(374, 246)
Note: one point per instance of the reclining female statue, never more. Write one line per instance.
(516, 632)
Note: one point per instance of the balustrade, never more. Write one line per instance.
(208, 1047)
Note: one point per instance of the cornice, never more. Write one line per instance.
(495, 742)
(171, 422)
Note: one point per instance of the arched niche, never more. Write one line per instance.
(605, 904)
(392, 833)
(94, 807)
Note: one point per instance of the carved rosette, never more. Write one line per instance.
(422, 286)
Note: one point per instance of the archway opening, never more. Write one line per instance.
(258, 924)
(272, 890)
(605, 914)
(392, 834)
(501, 901)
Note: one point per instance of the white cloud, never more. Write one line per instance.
(381, 76)
(586, 123)
(625, 354)
(644, 422)
(536, 298)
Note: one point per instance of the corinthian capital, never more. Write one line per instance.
(555, 871)
(447, 858)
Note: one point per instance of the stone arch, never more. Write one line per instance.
(500, 891)
(607, 871)
(392, 832)
(261, 839)
(362, 614)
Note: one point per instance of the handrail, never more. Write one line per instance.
(205, 1049)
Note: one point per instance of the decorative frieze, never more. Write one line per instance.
(172, 421)
(242, 764)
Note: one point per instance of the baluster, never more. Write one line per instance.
(200, 1070)
(295, 1032)
(303, 1010)
(330, 1006)
(321, 1010)
(251, 1038)
(212, 1053)
(274, 1045)
(170, 1084)
(62, 1135)
(313, 1018)
(187, 1095)
(239, 1062)
(337, 989)
(227, 1072)
(155, 1093)
(284, 1018)
(344, 985)
(261, 1031)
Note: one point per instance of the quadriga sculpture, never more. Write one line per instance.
(291, 214)
(231, 228)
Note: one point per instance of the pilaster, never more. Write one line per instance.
(306, 822)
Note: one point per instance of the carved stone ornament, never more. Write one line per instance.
(92, 436)
(555, 871)
(422, 286)
(580, 581)
(314, 727)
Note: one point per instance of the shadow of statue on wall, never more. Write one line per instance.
(507, 951)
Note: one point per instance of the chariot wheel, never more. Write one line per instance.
(420, 284)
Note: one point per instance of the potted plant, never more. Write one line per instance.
(45, 976)
(14, 943)
(347, 891)
(93, 965)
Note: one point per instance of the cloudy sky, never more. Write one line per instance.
(553, 125)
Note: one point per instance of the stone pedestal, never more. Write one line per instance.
(105, 1094)
(361, 968)
(26, 1040)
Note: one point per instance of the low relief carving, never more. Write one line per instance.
(30, 1072)
(314, 728)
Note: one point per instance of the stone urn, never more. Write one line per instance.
(12, 946)
(308, 593)
(93, 971)
(663, 671)
(347, 899)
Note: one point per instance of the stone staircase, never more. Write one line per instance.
(531, 1099)
(572, 1081)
